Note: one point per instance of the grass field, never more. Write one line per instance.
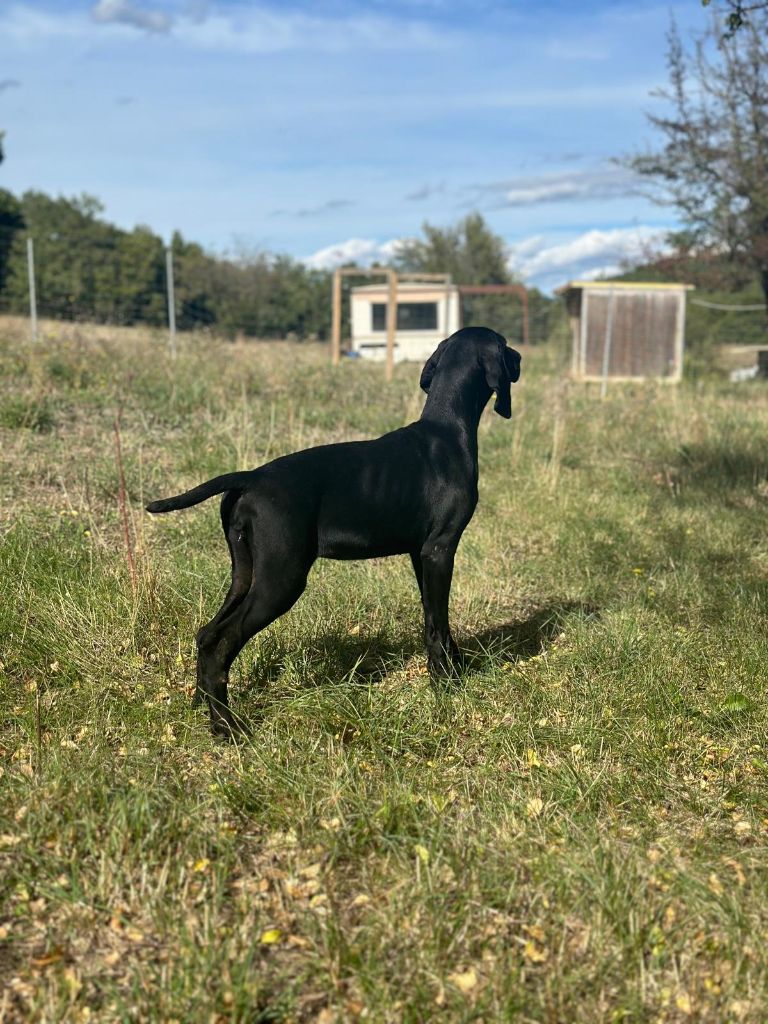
(576, 832)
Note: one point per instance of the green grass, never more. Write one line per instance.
(576, 832)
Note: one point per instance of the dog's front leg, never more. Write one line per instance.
(417, 571)
(437, 572)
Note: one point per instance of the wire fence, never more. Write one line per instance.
(133, 279)
(182, 289)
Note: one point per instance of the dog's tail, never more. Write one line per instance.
(219, 484)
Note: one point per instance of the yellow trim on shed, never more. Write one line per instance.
(624, 284)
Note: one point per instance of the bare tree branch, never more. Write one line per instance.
(738, 13)
(712, 164)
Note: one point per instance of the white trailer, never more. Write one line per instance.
(426, 313)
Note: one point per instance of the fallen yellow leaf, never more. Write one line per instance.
(464, 981)
(271, 936)
(683, 1003)
(311, 871)
(535, 954)
(737, 869)
(534, 807)
(714, 884)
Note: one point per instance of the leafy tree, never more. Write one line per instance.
(11, 222)
(194, 274)
(89, 269)
(473, 254)
(470, 252)
(713, 162)
(74, 258)
(268, 296)
(139, 285)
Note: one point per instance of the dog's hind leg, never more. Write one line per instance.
(278, 582)
(240, 584)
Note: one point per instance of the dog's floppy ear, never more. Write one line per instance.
(502, 369)
(512, 360)
(430, 366)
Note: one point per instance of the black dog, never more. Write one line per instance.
(412, 491)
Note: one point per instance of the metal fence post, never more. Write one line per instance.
(607, 343)
(32, 292)
(391, 323)
(171, 301)
(336, 318)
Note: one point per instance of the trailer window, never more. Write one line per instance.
(411, 316)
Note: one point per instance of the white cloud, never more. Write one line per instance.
(539, 262)
(228, 28)
(427, 191)
(595, 253)
(262, 30)
(525, 249)
(531, 190)
(362, 251)
(330, 206)
(125, 12)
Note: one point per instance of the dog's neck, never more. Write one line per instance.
(456, 401)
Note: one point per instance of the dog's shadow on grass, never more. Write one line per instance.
(362, 659)
(367, 659)
(337, 658)
(718, 468)
(520, 639)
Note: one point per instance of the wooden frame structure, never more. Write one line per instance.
(392, 277)
(502, 289)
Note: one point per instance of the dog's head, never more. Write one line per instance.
(500, 364)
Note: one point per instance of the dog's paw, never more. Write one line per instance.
(444, 669)
(231, 729)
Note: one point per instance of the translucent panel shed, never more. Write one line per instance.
(626, 330)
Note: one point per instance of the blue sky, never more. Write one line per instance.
(331, 130)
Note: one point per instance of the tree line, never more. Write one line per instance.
(89, 269)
